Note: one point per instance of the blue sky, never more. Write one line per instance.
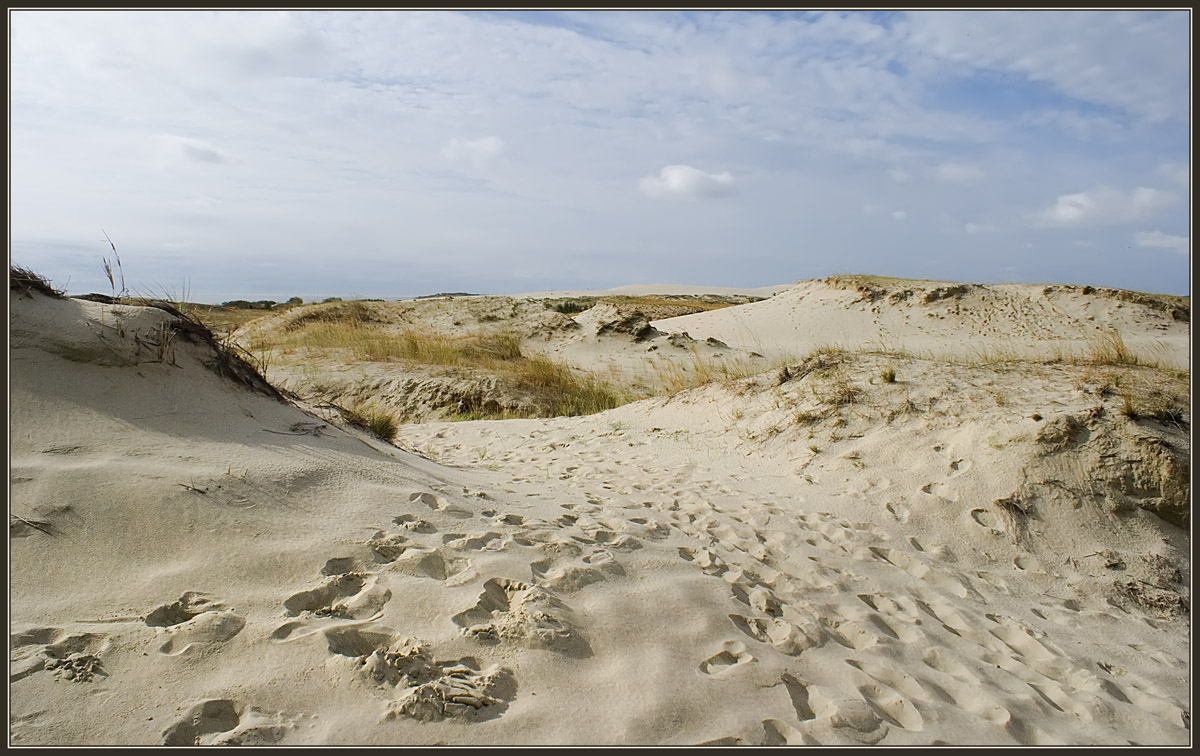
(269, 154)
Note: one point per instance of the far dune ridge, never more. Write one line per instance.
(854, 511)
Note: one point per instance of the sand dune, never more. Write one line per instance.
(991, 553)
(944, 319)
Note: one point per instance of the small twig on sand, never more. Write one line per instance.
(193, 488)
(35, 524)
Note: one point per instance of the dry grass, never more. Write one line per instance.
(558, 388)
(25, 280)
(368, 417)
(672, 377)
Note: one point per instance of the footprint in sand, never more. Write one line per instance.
(898, 681)
(427, 562)
(69, 656)
(218, 721)
(708, 562)
(597, 566)
(898, 510)
(959, 467)
(510, 610)
(1140, 692)
(732, 656)
(414, 524)
(987, 519)
(489, 541)
(423, 688)
(195, 618)
(353, 595)
(941, 491)
(918, 569)
(437, 504)
(780, 633)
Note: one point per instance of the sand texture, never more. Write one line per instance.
(976, 552)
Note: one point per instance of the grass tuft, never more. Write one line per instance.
(25, 280)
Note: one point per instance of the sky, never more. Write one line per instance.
(271, 154)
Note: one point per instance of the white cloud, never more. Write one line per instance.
(870, 209)
(191, 150)
(1159, 240)
(1127, 60)
(979, 228)
(899, 215)
(899, 175)
(1176, 172)
(1103, 206)
(957, 173)
(478, 152)
(686, 181)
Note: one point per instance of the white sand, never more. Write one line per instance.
(634, 290)
(756, 563)
(939, 319)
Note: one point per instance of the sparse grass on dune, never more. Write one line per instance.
(559, 389)
(672, 376)
(368, 417)
(25, 280)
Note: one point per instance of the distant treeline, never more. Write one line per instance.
(447, 294)
(261, 304)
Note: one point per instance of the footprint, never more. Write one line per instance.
(202, 722)
(941, 491)
(892, 706)
(490, 541)
(798, 692)
(189, 605)
(425, 689)
(781, 634)
(353, 595)
(438, 505)
(386, 547)
(733, 656)
(421, 561)
(987, 519)
(69, 656)
(919, 570)
(858, 721)
(195, 618)
(572, 578)
(776, 732)
(413, 523)
(509, 610)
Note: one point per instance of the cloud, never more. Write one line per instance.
(1125, 60)
(957, 173)
(686, 181)
(1176, 172)
(1103, 206)
(899, 215)
(194, 150)
(899, 175)
(870, 209)
(979, 228)
(1159, 240)
(479, 153)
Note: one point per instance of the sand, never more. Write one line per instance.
(977, 553)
